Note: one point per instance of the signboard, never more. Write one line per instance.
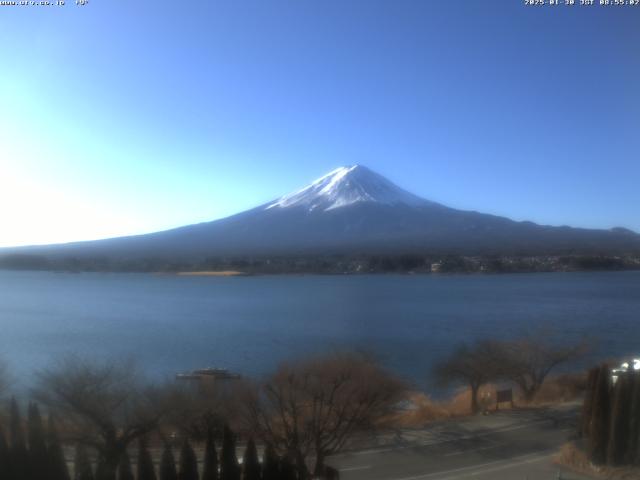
(504, 396)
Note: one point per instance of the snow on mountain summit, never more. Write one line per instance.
(347, 186)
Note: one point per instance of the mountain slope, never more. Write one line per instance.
(352, 210)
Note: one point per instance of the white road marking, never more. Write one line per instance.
(437, 442)
(480, 449)
(505, 467)
(352, 469)
(473, 470)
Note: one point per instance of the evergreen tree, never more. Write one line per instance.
(587, 408)
(18, 453)
(229, 468)
(146, 470)
(125, 472)
(287, 470)
(82, 464)
(600, 418)
(270, 464)
(250, 462)
(631, 455)
(619, 436)
(57, 464)
(102, 471)
(38, 456)
(188, 462)
(210, 468)
(4, 456)
(168, 464)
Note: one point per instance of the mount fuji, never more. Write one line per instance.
(348, 186)
(351, 210)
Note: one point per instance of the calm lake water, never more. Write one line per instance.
(249, 324)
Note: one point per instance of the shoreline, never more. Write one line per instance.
(207, 273)
(335, 265)
(235, 273)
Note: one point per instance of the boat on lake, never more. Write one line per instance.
(209, 372)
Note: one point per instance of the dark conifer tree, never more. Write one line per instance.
(188, 462)
(210, 468)
(4, 455)
(250, 462)
(600, 418)
(632, 454)
(168, 464)
(270, 464)
(125, 472)
(82, 464)
(287, 470)
(18, 453)
(619, 436)
(38, 457)
(146, 471)
(587, 408)
(57, 464)
(229, 468)
(102, 471)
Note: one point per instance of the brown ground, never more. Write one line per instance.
(573, 457)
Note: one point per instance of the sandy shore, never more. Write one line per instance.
(223, 273)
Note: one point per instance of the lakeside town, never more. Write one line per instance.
(334, 264)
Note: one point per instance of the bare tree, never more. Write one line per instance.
(202, 412)
(105, 406)
(473, 365)
(5, 379)
(527, 361)
(310, 410)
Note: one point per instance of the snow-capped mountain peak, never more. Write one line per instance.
(347, 186)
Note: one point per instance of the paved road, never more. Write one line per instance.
(502, 446)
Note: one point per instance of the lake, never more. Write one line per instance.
(249, 324)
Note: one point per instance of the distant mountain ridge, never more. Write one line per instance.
(351, 210)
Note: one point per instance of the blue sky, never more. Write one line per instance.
(124, 117)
